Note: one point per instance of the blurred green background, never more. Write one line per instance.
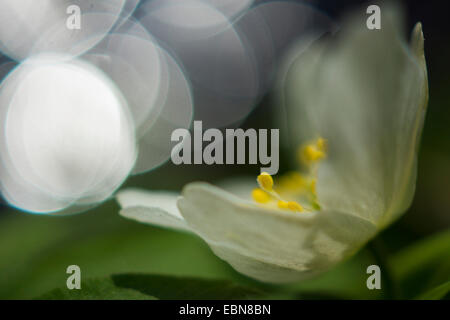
(36, 250)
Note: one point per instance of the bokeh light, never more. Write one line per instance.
(43, 26)
(158, 64)
(67, 138)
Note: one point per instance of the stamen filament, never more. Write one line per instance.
(294, 183)
(265, 181)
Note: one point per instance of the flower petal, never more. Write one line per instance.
(366, 94)
(271, 245)
(152, 207)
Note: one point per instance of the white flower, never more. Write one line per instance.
(360, 102)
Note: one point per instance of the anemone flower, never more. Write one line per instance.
(355, 109)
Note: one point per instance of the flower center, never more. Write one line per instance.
(301, 187)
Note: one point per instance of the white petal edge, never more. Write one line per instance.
(152, 207)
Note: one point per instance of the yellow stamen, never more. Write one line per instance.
(265, 181)
(293, 184)
(312, 154)
(283, 204)
(260, 196)
(294, 206)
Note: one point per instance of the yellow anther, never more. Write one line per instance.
(312, 154)
(297, 179)
(294, 206)
(283, 204)
(290, 205)
(292, 182)
(265, 181)
(260, 196)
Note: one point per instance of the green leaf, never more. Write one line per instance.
(166, 287)
(96, 289)
(146, 286)
(421, 255)
(436, 293)
(35, 251)
(441, 273)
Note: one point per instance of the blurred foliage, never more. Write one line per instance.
(36, 250)
(439, 292)
(104, 289)
(150, 287)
